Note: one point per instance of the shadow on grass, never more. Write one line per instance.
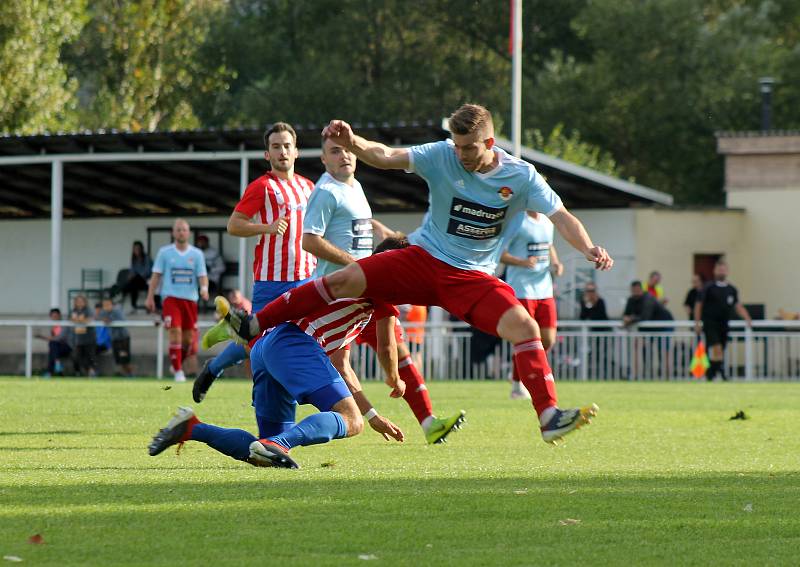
(720, 518)
(56, 432)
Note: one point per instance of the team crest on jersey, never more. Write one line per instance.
(505, 193)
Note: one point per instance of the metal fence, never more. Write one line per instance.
(584, 350)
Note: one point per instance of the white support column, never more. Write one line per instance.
(56, 214)
(28, 350)
(160, 351)
(243, 175)
(516, 79)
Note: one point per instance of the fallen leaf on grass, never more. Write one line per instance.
(569, 522)
(36, 539)
(739, 415)
(748, 507)
(12, 558)
(167, 388)
(328, 464)
(367, 557)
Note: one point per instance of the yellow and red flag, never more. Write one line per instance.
(699, 363)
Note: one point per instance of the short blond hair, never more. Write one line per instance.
(471, 118)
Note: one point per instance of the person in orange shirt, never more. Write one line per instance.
(414, 319)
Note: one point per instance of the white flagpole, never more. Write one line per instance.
(516, 79)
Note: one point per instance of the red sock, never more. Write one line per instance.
(295, 304)
(187, 435)
(534, 371)
(175, 359)
(416, 395)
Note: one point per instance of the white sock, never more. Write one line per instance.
(426, 423)
(180, 376)
(547, 415)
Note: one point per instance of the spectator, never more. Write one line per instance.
(58, 345)
(215, 265)
(138, 275)
(640, 307)
(120, 337)
(85, 340)
(643, 306)
(593, 308)
(714, 308)
(103, 334)
(654, 288)
(692, 294)
(237, 300)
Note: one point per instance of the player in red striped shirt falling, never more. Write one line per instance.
(272, 208)
(291, 365)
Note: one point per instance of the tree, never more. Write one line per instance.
(36, 93)
(138, 63)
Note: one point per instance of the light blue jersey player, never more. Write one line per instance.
(338, 211)
(470, 211)
(180, 271)
(530, 256)
(530, 243)
(475, 189)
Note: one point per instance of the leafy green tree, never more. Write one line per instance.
(572, 148)
(139, 66)
(36, 93)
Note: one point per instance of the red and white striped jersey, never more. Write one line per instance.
(279, 257)
(337, 324)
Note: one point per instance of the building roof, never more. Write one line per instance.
(122, 173)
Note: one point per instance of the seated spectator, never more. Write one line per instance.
(654, 288)
(784, 315)
(239, 301)
(692, 295)
(643, 306)
(215, 265)
(593, 307)
(139, 275)
(58, 345)
(120, 337)
(85, 340)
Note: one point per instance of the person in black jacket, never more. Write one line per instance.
(714, 307)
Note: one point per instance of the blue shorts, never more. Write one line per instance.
(289, 367)
(265, 292)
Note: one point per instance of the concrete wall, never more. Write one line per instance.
(668, 239)
(772, 232)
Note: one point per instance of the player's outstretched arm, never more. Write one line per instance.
(387, 355)
(341, 361)
(373, 153)
(324, 250)
(573, 232)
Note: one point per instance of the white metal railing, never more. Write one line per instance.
(584, 350)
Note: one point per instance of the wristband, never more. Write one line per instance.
(370, 414)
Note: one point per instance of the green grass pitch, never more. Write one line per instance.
(661, 477)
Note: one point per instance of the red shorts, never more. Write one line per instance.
(543, 310)
(411, 275)
(179, 313)
(369, 335)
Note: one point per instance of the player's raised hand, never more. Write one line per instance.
(601, 258)
(386, 428)
(339, 132)
(279, 226)
(150, 304)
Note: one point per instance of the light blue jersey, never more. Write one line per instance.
(468, 211)
(530, 238)
(180, 271)
(340, 214)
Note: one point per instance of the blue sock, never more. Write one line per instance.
(234, 353)
(318, 428)
(232, 442)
